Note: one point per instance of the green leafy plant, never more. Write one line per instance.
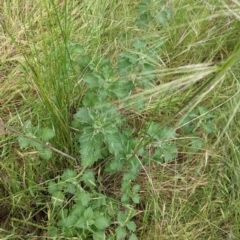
(163, 146)
(85, 212)
(141, 61)
(194, 122)
(149, 11)
(36, 137)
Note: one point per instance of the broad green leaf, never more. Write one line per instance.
(99, 235)
(124, 66)
(125, 198)
(36, 145)
(88, 213)
(164, 15)
(158, 155)
(208, 127)
(71, 220)
(121, 88)
(24, 142)
(129, 176)
(45, 153)
(114, 143)
(68, 175)
(170, 151)
(81, 223)
(88, 178)
(90, 98)
(167, 133)
(135, 197)
(121, 217)
(78, 208)
(131, 226)
(93, 80)
(126, 186)
(136, 188)
(121, 233)
(107, 70)
(46, 134)
(153, 130)
(83, 197)
(134, 166)
(53, 232)
(83, 115)
(133, 237)
(83, 61)
(115, 165)
(90, 149)
(102, 222)
(69, 188)
(52, 187)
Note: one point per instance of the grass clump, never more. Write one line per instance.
(119, 120)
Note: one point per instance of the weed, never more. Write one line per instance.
(106, 154)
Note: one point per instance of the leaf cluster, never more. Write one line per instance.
(42, 135)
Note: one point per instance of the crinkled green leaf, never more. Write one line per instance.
(88, 178)
(93, 80)
(90, 98)
(125, 198)
(99, 235)
(24, 142)
(170, 151)
(121, 233)
(121, 217)
(71, 220)
(121, 89)
(129, 176)
(164, 15)
(135, 197)
(69, 187)
(131, 226)
(45, 153)
(208, 127)
(102, 222)
(136, 188)
(90, 151)
(115, 165)
(53, 232)
(83, 197)
(153, 130)
(52, 187)
(124, 66)
(81, 223)
(46, 134)
(167, 133)
(68, 175)
(114, 143)
(133, 237)
(83, 60)
(83, 115)
(88, 213)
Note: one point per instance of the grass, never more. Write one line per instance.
(195, 196)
